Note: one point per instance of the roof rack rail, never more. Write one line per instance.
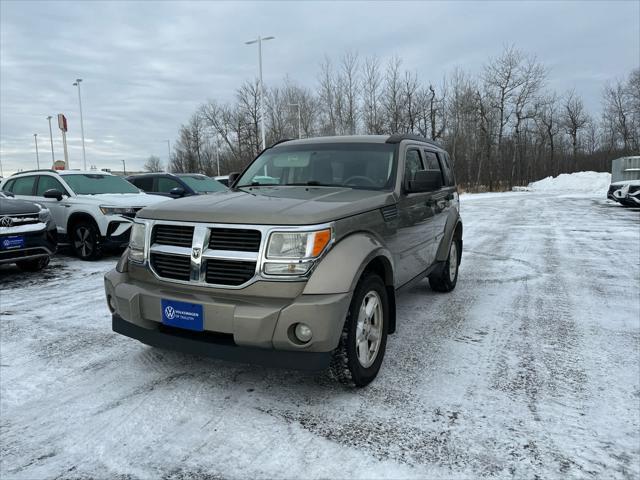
(398, 137)
(36, 170)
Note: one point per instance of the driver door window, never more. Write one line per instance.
(165, 185)
(48, 183)
(413, 164)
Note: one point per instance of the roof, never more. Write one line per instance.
(397, 138)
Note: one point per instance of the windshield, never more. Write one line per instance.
(95, 183)
(369, 166)
(202, 183)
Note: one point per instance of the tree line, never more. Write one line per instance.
(502, 127)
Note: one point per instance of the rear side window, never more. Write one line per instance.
(46, 182)
(145, 183)
(166, 184)
(431, 161)
(9, 186)
(448, 172)
(23, 186)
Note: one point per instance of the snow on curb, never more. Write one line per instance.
(578, 182)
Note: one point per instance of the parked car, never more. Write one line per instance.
(625, 181)
(301, 272)
(223, 179)
(92, 210)
(28, 235)
(176, 185)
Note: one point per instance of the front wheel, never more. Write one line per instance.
(363, 341)
(85, 241)
(445, 279)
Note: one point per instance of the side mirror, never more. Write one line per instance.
(233, 176)
(425, 181)
(177, 192)
(53, 193)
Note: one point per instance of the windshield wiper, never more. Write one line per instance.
(311, 183)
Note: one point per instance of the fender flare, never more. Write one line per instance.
(453, 228)
(340, 270)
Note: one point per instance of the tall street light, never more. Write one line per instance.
(35, 137)
(53, 158)
(299, 122)
(84, 156)
(168, 154)
(259, 41)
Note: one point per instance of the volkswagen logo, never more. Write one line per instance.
(196, 252)
(6, 222)
(169, 312)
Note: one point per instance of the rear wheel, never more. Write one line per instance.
(85, 241)
(357, 360)
(445, 279)
(33, 265)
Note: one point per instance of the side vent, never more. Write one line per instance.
(390, 212)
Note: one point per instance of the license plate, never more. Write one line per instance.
(182, 315)
(12, 242)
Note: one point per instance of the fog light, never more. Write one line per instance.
(112, 303)
(303, 332)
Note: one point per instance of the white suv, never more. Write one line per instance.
(91, 209)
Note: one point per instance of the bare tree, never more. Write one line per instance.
(153, 164)
(392, 96)
(574, 119)
(372, 91)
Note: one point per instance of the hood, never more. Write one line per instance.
(123, 199)
(10, 206)
(275, 205)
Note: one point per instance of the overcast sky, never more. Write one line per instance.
(146, 66)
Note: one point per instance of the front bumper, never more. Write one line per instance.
(37, 244)
(254, 324)
(207, 345)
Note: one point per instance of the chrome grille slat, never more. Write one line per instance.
(235, 239)
(177, 267)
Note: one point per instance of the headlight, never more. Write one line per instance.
(298, 245)
(137, 242)
(117, 210)
(44, 215)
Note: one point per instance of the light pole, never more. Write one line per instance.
(35, 137)
(53, 158)
(84, 156)
(168, 154)
(259, 41)
(299, 123)
(218, 154)
(124, 169)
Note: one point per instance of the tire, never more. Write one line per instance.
(85, 241)
(446, 278)
(347, 366)
(34, 265)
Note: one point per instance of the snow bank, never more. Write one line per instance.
(579, 182)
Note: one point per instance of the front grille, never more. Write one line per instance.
(176, 235)
(19, 220)
(229, 272)
(176, 267)
(235, 239)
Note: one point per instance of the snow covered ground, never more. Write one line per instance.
(530, 368)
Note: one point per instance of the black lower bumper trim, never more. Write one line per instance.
(223, 351)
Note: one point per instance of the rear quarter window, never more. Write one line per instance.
(24, 185)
